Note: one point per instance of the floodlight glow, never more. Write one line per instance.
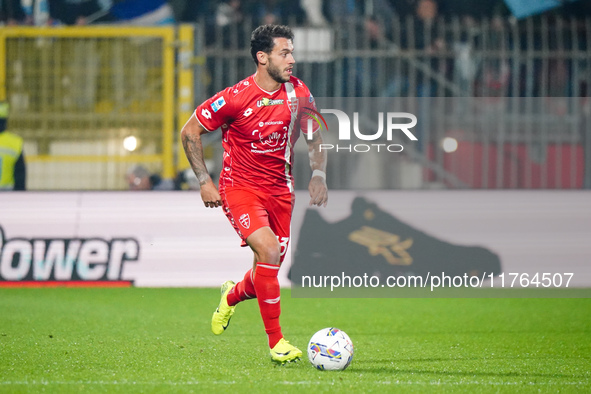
(130, 143)
(449, 144)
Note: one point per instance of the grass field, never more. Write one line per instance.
(159, 340)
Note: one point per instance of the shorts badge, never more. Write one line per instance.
(245, 220)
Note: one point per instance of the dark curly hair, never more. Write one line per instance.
(262, 38)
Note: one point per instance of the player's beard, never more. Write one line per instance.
(275, 73)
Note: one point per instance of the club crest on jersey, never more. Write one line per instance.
(293, 105)
(266, 102)
(219, 103)
(245, 220)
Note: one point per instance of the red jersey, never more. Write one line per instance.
(259, 129)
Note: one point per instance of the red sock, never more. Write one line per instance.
(244, 290)
(268, 295)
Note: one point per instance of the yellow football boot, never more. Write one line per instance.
(221, 317)
(283, 352)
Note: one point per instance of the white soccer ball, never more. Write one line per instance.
(330, 349)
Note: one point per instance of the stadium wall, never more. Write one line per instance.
(157, 239)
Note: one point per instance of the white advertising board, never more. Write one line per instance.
(160, 239)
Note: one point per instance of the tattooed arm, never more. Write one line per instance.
(191, 138)
(317, 186)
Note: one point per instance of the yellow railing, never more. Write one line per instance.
(77, 92)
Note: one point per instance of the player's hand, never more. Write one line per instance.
(210, 195)
(318, 191)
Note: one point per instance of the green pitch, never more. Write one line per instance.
(158, 340)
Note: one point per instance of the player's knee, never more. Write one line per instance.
(272, 254)
(265, 246)
(275, 255)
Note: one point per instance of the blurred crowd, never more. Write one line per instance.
(84, 12)
(388, 26)
(224, 12)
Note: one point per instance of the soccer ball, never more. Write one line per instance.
(330, 349)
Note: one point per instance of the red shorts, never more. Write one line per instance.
(248, 210)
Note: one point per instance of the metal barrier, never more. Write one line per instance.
(517, 134)
(77, 93)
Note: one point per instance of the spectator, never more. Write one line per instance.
(229, 13)
(277, 11)
(338, 10)
(12, 158)
(358, 24)
(186, 180)
(420, 35)
(229, 19)
(313, 10)
(78, 12)
(36, 12)
(188, 12)
(473, 10)
(139, 178)
(425, 37)
(404, 8)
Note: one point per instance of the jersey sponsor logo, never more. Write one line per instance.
(245, 220)
(65, 259)
(270, 143)
(268, 102)
(205, 113)
(270, 123)
(219, 103)
(248, 112)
